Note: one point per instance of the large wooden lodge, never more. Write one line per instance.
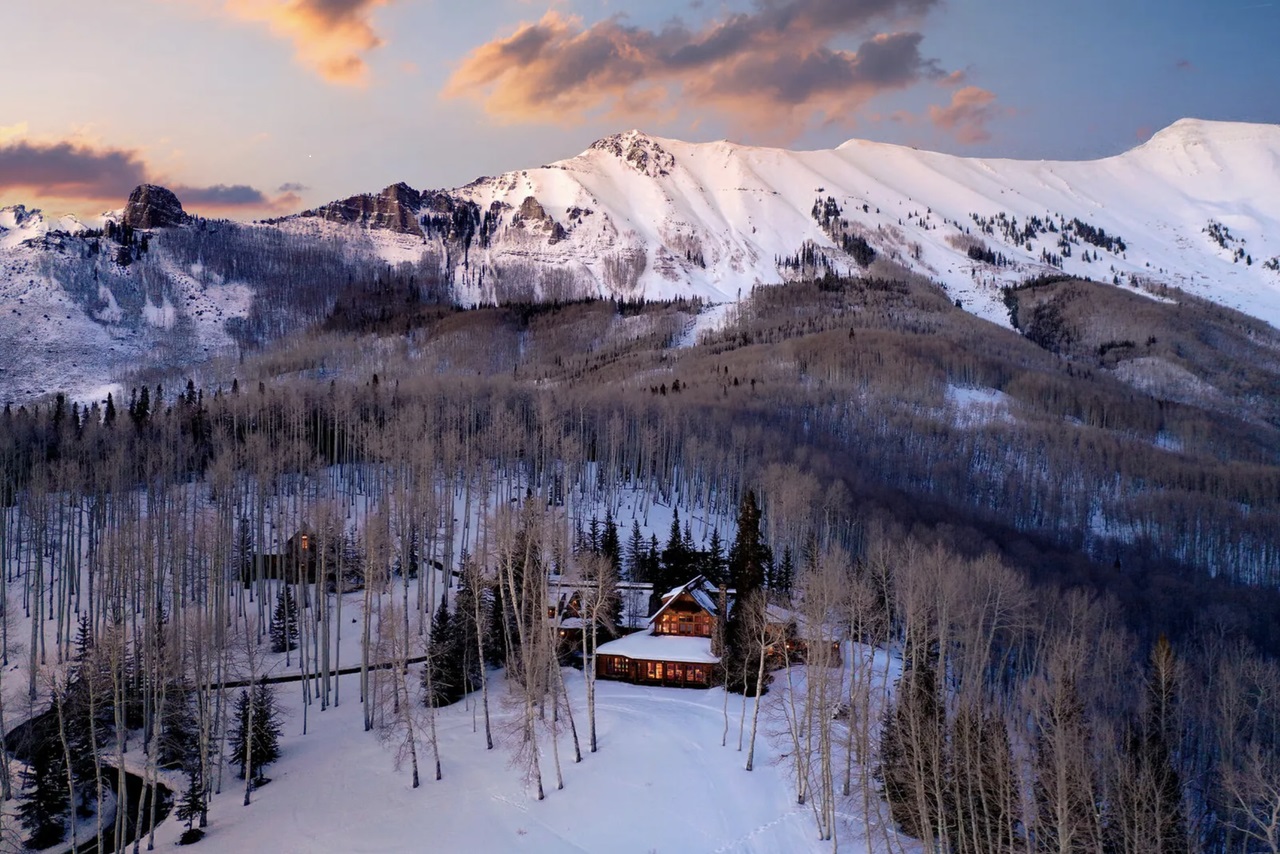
(681, 646)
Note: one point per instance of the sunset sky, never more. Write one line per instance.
(248, 108)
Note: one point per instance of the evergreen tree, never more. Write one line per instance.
(1063, 790)
(284, 621)
(45, 805)
(983, 797)
(408, 563)
(262, 736)
(464, 633)
(242, 551)
(746, 574)
(747, 555)
(610, 545)
(495, 640)
(84, 642)
(443, 682)
(713, 559)
(1155, 800)
(911, 743)
(676, 563)
(637, 566)
(179, 730)
(192, 804)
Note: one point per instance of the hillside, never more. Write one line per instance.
(1195, 209)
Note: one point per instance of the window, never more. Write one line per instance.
(686, 624)
(653, 670)
(306, 542)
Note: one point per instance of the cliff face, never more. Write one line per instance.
(394, 209)
(153, 207)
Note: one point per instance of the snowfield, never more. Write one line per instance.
(1196, 207)
(660, 782)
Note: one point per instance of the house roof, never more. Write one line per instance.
(646, 647)
(703, 592)
(633, 597)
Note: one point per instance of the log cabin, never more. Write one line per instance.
(681, 646)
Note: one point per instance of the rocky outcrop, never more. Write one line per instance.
(153, 207)
(394, 209)
(641, 152)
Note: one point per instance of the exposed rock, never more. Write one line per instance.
(153, 207)
(394, 209)
(532, 209)
(641, 152)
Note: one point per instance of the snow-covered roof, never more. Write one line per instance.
(646, 647)
(703, 592)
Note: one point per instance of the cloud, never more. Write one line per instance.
(330, 37)
(69, 170)
(775, 68)
(967, 115)
(1184, 65)
(230, 197)
(76, 172)
(292, 187)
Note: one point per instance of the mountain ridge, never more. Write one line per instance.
(638, 216)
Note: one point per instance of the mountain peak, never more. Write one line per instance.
(639, 150)
(1188, 132)
(151, 206)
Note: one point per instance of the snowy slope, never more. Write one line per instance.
(638, 215)
(1196, 207)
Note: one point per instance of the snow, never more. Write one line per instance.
(976, 406)
(660, 782)
(711, 221)
(648, 647)
(745, 207)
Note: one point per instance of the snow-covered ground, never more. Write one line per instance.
(665, 218)
(660, 782)
(1196, 207)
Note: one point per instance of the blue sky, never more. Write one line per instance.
(254, 107)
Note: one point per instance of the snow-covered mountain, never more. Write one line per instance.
(1197, 207)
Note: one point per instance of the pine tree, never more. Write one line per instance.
(610, 545)
(262, 738)
(636, 554)
(495, 649)
(1157, 799)
(463, 629)
(676, 569)
(713, 559)
(911, 739)
(746, 574)
(1063, 791)
(442, 677)
(284, 621)
(179, 730)
(983, 796)
(192, 804)
(45, 805)
(242, 552)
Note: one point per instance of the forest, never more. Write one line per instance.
(1075, 576)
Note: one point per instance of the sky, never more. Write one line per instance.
(256, 108)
